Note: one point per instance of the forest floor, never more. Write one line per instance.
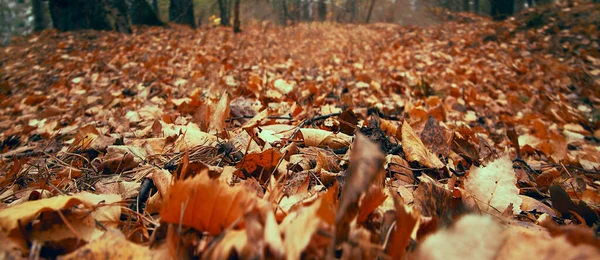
(472, 139)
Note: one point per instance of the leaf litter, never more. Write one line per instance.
(471, 139)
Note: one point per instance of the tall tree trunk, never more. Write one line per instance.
(40, 20)
(182, 12)
(519, 5)
(322, 10)
(529, 3)
(352, 9)
(236, 17)
(297, 8)
(285, 11)
(370, 11)
(155, 7)
(224, 12)
(305, 10)
(476, 6)
(501, 9)
(142, 13)
(69, 15)
(465, 5)
(118, 11)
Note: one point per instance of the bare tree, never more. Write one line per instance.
(501, 9)
(142, 13)
(40, 20)
(236, 17)
(322, 10)
(68, 15)
(182, 12)
(118, 10)
(370, 11)
(224, 11)
(155, 6)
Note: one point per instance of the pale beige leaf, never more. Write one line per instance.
(493, 187)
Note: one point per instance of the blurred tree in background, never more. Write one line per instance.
(21, 17)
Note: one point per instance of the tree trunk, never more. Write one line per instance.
(142, 13)
(182, 12)
(519, 5)
(69, 15)
(476, 6)
(155, 7)
(236, 17)
(297, 7)
(223, 10)
(502, 9)
(118, 11)
(529, 3)
(322, 10)
(40, 20)
(465, 6)
(370, 11)
(352, 9)
(286, 14)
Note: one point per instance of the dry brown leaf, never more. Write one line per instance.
(406, 221)
(204, 204)
(28, 211)
(415, 150)
(323, 138)
(299, 228)
(219, 114)
(111, 245)
(371, 201)
(259, 165)
(366, 167)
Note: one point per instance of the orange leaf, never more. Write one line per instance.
(204, 204)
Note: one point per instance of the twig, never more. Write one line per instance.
(312, 121)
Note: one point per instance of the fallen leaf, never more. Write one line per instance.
(111, 245)
(365, 168)
(415, 150)
(493, 187)
(204, 204)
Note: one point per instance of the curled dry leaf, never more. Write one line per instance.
(415, 150)
(406, 221)
(323, 138)
(204, 204)
(366, 166)
(259, 165)
(493, 187)
(220, 112)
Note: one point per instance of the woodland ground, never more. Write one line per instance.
(309, 140)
